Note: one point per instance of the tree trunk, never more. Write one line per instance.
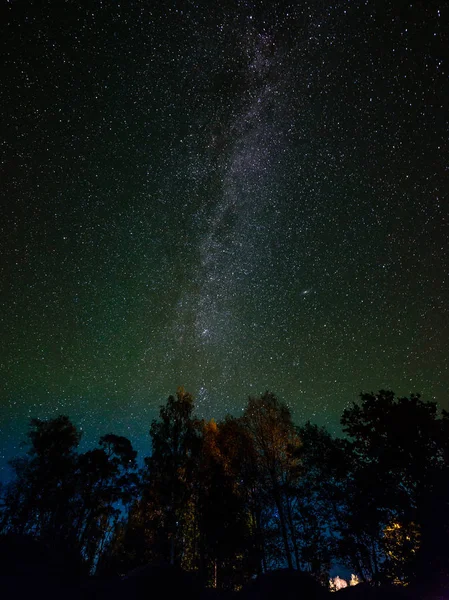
(260, 540)
(278, 502)
(292, 533)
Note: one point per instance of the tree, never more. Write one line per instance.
(270, 426)
(107, 483)
(400, 472)
(226, 546)
(240, 465)
(321, 496)
(175, 443)
(68, 500)
(39, 499)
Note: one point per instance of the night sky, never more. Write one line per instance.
(230, 196)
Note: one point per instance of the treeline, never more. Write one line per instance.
(233, 499)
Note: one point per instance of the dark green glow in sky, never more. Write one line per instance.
(231, 199)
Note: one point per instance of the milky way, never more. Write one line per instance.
(235, 198)
(233, 250)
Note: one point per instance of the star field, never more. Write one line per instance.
(232, 198)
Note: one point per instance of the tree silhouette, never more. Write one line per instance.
(175, 442)
(233, 499)
(399, 478)
(321, 498)
(68, 500)
(38, 501)
(226, 542)
(275, 441)
(106, 484)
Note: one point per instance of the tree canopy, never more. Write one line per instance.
(228, 500)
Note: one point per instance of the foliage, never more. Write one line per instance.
(175, 443)
(233, 499)
(68, 499)
(399, 475)
(401, 543)
(275, 441)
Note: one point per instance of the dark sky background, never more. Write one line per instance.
(230, 196)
